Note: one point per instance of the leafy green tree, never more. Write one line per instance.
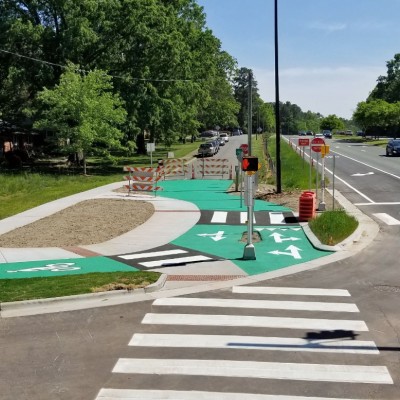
(83, 111)
(332, 122)
(291, 115)
(241, 93)
(266, 116)
(378, 115)
(388, 87)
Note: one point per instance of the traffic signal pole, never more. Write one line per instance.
(249, 252)
(250, 167)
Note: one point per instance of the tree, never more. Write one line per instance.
(388, 87)
(291, 115)
(377, 115)
(332, 122)
(83, 111)
(241, 93)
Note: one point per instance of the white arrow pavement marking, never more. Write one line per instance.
(280, 238)
(214, 236)
(360, 174)
(294, 252)
(274, 229)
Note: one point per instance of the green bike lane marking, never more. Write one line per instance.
(280, 247)
(210, 194)
(71, 266)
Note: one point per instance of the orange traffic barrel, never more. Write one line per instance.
(307, 206)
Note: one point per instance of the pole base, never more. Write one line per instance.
(249, 252)
(321, 206)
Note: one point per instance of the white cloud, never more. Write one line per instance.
(324, 90)
(327, 27)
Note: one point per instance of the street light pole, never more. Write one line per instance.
(250, 113)
(277, 111)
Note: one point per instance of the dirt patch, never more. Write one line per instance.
(88, 222)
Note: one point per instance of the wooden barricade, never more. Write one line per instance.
(214, 166)
(142, 179)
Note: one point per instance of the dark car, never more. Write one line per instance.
(310, 133)
(327, 134)
(302, 133)
(393, 148)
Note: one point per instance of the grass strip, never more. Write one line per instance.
(332, 227)
(69, 285)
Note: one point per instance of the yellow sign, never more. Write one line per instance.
(325, 150)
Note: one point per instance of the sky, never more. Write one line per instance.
(331, 52)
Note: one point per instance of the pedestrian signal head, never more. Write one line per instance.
(250, 163)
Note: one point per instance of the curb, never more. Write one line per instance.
(364, 234)
(102, 296)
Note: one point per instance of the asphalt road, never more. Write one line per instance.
(353, 354)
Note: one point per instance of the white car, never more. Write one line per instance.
(224, 136)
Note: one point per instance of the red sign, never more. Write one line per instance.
(245, 148)
(316, 144)
(304, 142)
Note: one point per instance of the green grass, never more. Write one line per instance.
(295, 171)
(20, 192)
(42, 288)
(332, 227)
(23, 190)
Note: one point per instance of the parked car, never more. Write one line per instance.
(320, 135)
(224, 136)
(310, 133)
(237, 132)
(360, 133)
(208, 134)
(206, 149)
(393, 148)
(215, 143)
(221, 141)
(348, 133)
(302, 133)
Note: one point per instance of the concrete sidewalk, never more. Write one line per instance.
(162, 227)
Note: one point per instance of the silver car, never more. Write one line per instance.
(206, 149)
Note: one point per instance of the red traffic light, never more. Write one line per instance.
(250, 163)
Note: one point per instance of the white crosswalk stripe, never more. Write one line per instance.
(163, 258)
(129, 394)
(253, 321)
(257, 304)
(387, 219)
(255, 369)
(261, 218)
(254, 343)
(210, 348)
(289, 291)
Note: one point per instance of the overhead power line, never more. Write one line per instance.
(86, 71)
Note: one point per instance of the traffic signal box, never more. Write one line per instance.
(250, 164)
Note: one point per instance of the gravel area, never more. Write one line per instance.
(87, 222)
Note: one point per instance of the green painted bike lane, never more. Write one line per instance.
(280, 246)
(70, 266)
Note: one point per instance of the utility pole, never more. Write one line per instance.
(277, 111)
(250, 111)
